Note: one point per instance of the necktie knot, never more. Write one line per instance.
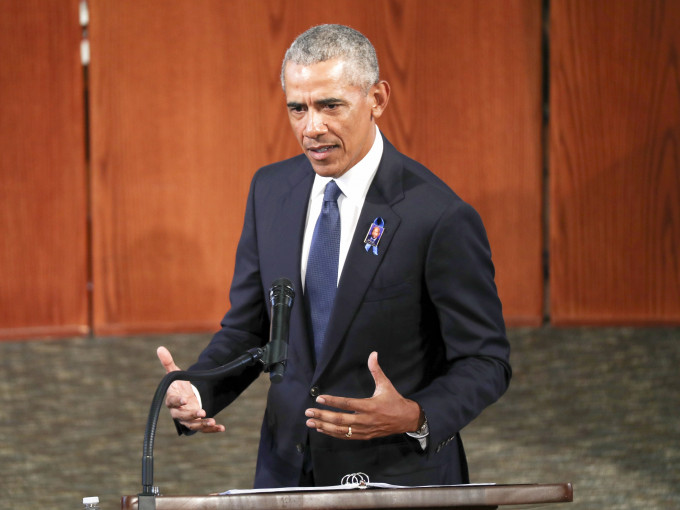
(332, 192)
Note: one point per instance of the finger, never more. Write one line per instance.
(185, 415)
(353, 405)
(166, 359)
(213, 430)
(207, 425)
(339, 431)
(379, 376)
(331, 417)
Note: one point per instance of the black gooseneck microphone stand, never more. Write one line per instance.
(273, 356)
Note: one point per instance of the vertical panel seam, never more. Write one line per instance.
(545, 135)
(84, 19)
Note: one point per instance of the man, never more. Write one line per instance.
(423, 297)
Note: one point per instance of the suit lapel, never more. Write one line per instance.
(286, 246)
(360, 265)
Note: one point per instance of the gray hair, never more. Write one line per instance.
(326, 42)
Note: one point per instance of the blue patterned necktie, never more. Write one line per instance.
(321, 280)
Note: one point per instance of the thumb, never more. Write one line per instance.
(166, 359)
(379, 376)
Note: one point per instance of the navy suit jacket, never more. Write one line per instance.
(427, 303)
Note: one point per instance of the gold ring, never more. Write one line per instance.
(349, 432)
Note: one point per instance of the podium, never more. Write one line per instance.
(478, 497)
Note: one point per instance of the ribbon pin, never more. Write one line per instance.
(374, 234)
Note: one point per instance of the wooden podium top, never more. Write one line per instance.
(456, 497)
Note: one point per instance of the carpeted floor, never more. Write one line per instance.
(595, 407)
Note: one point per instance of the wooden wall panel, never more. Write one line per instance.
(615, 162)
(176, 135)
(43, 250)
(187, 105)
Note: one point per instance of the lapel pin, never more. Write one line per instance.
(374, 234)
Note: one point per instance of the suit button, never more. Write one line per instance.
(314, 391)
(300, 448)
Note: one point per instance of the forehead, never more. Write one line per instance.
(317, 79)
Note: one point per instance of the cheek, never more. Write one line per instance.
(297, 127)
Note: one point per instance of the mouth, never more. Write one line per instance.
(320, 152)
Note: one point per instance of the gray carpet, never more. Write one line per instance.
(595, 407)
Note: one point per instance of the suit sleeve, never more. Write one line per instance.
(459, 276)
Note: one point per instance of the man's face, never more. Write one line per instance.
(333, 120)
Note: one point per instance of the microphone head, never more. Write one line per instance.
(282, 289)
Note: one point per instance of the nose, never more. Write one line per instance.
(315, 125)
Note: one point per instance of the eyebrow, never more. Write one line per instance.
(320, 102)
(330, 100)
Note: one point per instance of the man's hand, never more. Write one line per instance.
(182, 401)
(385, 413)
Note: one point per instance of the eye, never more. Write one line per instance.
(296, 108)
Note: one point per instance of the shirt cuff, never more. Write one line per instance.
(198, 396)
(421, 435)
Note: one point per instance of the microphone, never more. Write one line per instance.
(273, 356)
(281, 296)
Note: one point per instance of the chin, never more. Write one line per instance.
(327, 171)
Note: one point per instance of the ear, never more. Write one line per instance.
(379, 95)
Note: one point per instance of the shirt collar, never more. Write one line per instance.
(354, 183)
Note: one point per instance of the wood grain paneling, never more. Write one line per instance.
(176, 136)
(615, 162)
(187, 105)
(43, 252)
